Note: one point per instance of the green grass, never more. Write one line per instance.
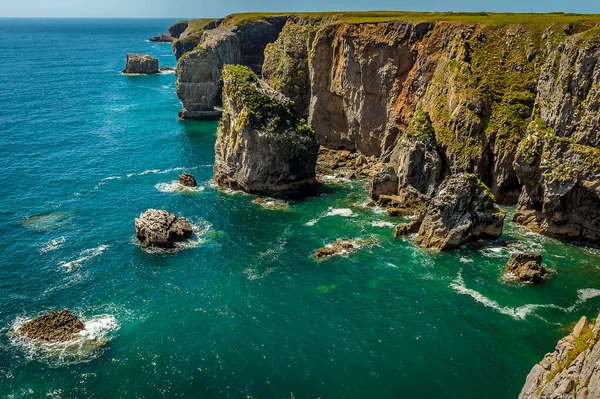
(490, 19)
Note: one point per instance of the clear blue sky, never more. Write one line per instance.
(217, 8)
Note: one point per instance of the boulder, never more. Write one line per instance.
(161, 229)
(141, 64)
(411, 227)
(340, 247)
(463, 210)
(187, 180)
(52, 327)
(526, 267)
(262, 146)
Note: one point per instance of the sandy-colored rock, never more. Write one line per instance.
(141, 64)
(526, 267)
(161, 229)
(187, 180)
(52, 327)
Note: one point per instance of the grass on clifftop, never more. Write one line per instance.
(490, 19)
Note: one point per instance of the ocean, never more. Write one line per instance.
(243, 311)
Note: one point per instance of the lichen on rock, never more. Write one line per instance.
(262, 145)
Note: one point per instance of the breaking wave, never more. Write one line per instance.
(175, 187)
(343, 212)
(53, 244)
(83, 256)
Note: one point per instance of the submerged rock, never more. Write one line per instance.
(526, 267)
(141, 64)
(271, 203)
(52, 327)
(463, 210)
(340, 247)
(187, 180)
(161, 229)
(262, 146)
(571, 371)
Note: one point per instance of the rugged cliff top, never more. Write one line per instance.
(490, 19)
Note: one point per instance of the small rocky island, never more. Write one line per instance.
(526, 267)
(262, 145)
(141, 64)
(55, 326)
(161, 229)
(187, 180)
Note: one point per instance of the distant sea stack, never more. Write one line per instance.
(141, 64)
(512, 100)
(262, 146)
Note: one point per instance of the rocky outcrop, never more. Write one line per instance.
(52, 327)
(462, 211)
(411, 227)
(571, 371)
(342, 247)
(141, 64)
(187, 180)
(162, 38)
(199, 73)
(561, 194)
(526, 267)
(343, 164)
(161, 229)
(262, 146)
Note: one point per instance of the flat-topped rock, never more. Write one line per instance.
(526, 267)
(141, 64)
(187, 180)
(161, 229)
(52, 327)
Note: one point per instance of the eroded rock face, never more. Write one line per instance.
(52, 327)
(141, 64)
(571, 371)
(262, 146)
(463, 210)
(161, 229)
(561, 194)
(199, 72)
(526, 267)
(187, 180)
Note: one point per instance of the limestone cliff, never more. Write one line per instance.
(262, 146)
(572, 371)
(478, 82)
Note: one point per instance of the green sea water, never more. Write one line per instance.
(243, 311)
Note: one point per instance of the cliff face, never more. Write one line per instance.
(480, 87)
(572, 370)
(262, 146)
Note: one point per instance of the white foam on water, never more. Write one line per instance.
(344, 212)
(465, 260)
(175, 187)
(254, 274)
(519, 313)
(83, 348)
(53, 244)
(169, 72)
(312, 222)
(272, 204)
(382, 223)
(83, 256)
(584, 295)
(200, 230)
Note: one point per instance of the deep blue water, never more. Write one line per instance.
(244, 312)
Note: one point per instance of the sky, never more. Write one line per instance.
(212, 8)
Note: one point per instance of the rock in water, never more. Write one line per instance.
(161, 229)
(141, 64)
(340, 247)
(262, 146)
(571, 371)
(187, 180)
(52, 327)
(463, 210)
(526, 267)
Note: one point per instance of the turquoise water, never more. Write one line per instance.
(243, 312)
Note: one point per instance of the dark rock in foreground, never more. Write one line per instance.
(187, 180)
(161, 229)
(52, 327)
(526, 267)
(411, 227)
(141, 64)
(571, 371)
(262, 146)
(463, 210)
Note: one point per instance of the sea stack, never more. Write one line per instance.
(463, 210)
(52, 327)
(262, 146)
(526, 267)
(187, 180)
(141, 64)
(161, 229)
